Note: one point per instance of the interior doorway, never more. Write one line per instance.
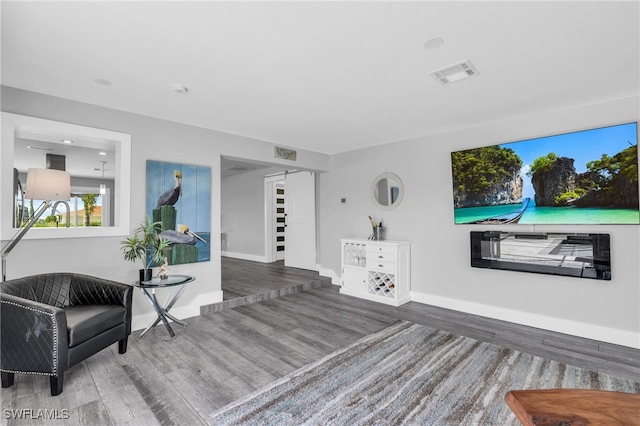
(266, 208)
(256, 221)
(275, 218)
(290, 222)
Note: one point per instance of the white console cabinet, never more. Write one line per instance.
(376, 270)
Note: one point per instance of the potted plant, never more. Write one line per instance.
(145, 245)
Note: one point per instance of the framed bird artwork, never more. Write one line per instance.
(179, 197)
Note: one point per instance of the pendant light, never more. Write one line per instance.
(103, 187)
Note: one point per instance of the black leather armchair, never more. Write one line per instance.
(51, 322)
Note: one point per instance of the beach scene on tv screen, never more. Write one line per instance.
(584, 177)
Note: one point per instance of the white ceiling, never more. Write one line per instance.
(80, 161)
(325, 76)
(234, 166)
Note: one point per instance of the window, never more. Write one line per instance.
(94, 157)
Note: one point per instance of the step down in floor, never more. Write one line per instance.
(261, 297)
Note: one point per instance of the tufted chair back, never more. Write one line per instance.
(50, 289)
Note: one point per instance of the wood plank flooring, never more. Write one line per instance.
(245, 282)
(222, 356)
(242, 278)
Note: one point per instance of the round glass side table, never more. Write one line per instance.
(163, 310)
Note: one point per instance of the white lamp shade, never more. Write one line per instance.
(48, 184)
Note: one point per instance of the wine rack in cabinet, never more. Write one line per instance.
(376, 270)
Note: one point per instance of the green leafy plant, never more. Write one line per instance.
(606, 171)
(569, 195)
(477, 171)
(89, 201)
(542, 164)
(145, 240)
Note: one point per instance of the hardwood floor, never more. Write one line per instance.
(224, 355)
(242, 278)
(245, 282)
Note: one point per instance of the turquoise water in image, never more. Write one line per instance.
(551, 215)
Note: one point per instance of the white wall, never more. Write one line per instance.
(151, 139)
(441, 273)
(243, 214)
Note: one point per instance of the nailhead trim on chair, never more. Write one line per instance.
(55, 341)
(27, 372)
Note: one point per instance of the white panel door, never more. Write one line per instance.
(300, 232)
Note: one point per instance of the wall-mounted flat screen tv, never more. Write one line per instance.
(585, 177)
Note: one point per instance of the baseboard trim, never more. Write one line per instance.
(245, 256)
(574, 328)
(140, 322)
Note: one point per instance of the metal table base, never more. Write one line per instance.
(163, 310)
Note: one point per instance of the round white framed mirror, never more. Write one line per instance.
(387, 191)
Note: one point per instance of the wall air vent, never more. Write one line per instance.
(284, 153)
(455, 72)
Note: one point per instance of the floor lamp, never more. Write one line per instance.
(42, 184)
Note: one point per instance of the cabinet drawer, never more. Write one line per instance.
(380, 257)
(381, 248)
(382, 266)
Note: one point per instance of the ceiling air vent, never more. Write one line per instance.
(455, 72)
(238, 168)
